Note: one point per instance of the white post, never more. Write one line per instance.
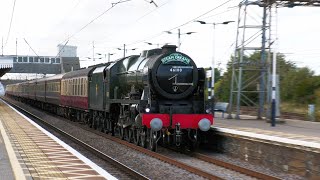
(93, 50)
(124, 50)
(213, 64)
(16, 46)
(274, 63)
(2, 46)
(178, 39)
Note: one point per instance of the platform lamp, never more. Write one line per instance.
(149, 43)
(213, 58)
(125, 50)
(109, 55)
(179, 36)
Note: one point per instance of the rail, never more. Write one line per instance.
(166, 159)
(93, 150)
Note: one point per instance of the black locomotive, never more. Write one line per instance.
(155, 97)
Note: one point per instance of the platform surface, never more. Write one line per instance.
(6, 171)
(290, 131)
(27, 151)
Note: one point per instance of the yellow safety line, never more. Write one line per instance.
(40, 163)
(17, 169)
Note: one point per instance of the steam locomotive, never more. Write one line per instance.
(157, 97)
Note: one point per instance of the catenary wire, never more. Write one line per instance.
(90, 22)
(14, 4)
(192, 20)
(30, 47)
(143, 16)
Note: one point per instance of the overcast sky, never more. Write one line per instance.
(46, 23)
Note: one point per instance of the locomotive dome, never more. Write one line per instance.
(174, 75)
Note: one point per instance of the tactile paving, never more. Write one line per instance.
(40, 156)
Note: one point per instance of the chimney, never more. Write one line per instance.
(169, 48)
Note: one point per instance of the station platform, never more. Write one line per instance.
(27, 151)
(295, 132)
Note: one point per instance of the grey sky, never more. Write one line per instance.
(45, 23)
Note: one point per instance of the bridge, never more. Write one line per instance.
(6, 64)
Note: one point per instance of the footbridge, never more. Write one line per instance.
(6, 64)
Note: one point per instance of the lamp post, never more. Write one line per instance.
(125, 50)
(105, 56)
(110, 54)
(152, 44)
(213, 59)
(274, 69)
(93, 58)
(179, 36)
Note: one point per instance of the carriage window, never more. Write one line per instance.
(47, 60)
(19, 59)
(41, 60)
(31, 59)
(67, 88)
(14, 59)
(25, 59)
(58, 60)
(77, 87)
(36, 59)
(53, 60)
(81, 87)
(64, 87)
(74, 88)
(85, 87)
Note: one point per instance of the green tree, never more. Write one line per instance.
(296, 84)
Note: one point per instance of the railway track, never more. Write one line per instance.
(233, 167)
(132, 174)
(161, 157)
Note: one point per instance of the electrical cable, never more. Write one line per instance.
(62, 49)
(192, 20)
(90, 22)
(68, 14)
(143, 16)
(152, 11)
(14, 4)
(231, 9)
(30, 47)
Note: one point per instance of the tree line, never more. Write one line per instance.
(297, 84)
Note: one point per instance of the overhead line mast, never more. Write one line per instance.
(244, 46)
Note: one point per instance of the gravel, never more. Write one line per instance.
(144, 164)
(260, 168)
(149, 166)
(208, 167)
